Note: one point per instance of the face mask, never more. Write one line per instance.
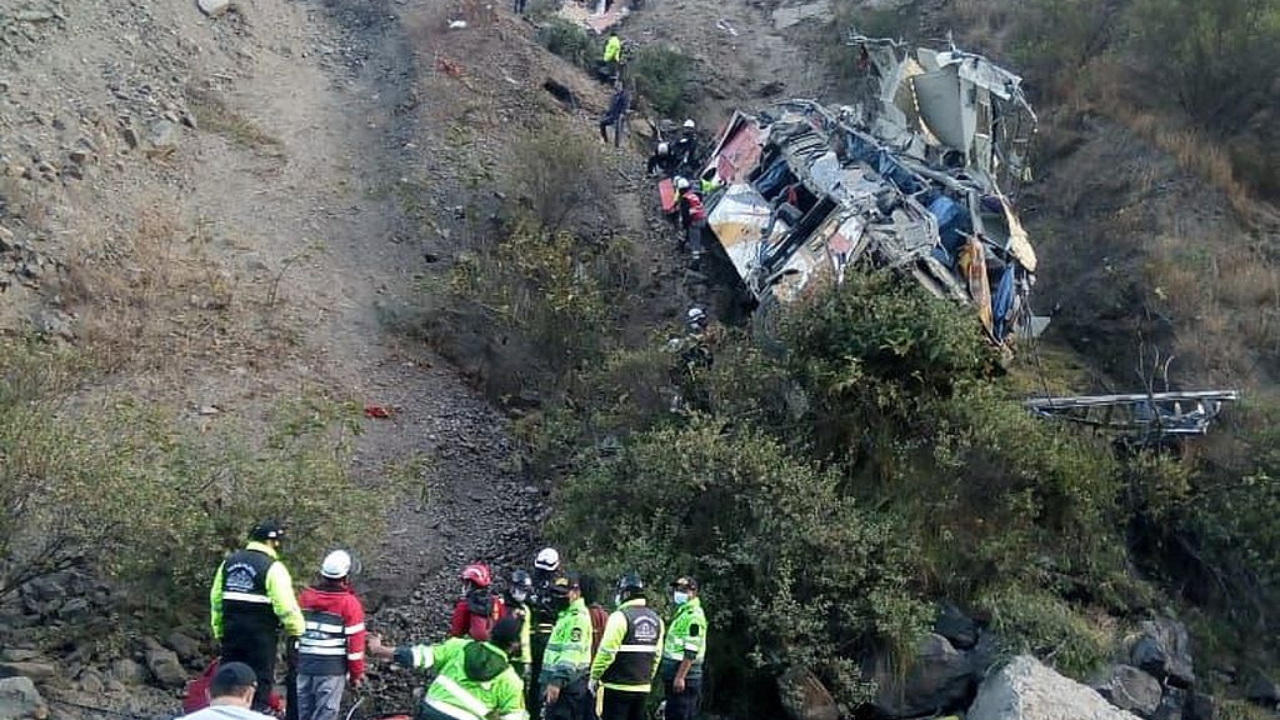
(519, 595)
(680, 598)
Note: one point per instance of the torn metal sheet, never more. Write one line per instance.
(908, 179)
(1139, 415)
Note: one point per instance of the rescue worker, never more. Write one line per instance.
(693, 218)
(615, 115)
(629, 653)
(515, 602)
(546, 566)
(662, 160)
(331, 651)
(231, 691)
(683, 651)
(474, 678)
(686, 146)
(250, 600)
(709, 182)
(692, 359)
(566, 663)
(478, 608)
(612, 56)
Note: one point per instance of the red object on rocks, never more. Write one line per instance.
(377, 412)
(198, 693)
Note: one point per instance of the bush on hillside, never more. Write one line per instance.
(127, 489)
(1214, 54)
(568, 40)
(663, 76)
(793, 572)
(555, 173)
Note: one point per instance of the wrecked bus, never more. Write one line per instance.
(916, 176)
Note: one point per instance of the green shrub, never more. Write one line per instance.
(793, 573)
(129, 489)
(568, 40)
(663, 76)
(555, 173)
(1033, 621)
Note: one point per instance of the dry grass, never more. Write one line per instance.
(212, 113)
(1224, 304)
(158, 299)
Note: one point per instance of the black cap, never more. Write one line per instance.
(505, 632)
(267, 530)
(231, 679)
(685, 583)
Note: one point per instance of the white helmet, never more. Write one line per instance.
(690, 124)
(682, 184)
(547, 559)
(336, 565)
(696, 317)
(663, 148)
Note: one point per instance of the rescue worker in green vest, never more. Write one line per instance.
(474, 678)
(683, 652)
(250, 600)
(612, 57)
(629, 652)
(567, 660)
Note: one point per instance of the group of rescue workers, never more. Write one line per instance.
(535, 649)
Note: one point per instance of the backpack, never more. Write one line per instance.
(483, 610)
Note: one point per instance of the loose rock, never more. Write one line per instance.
(164, 665)
(1027, 690)
(940, 678)
(29, 669)
(1164, 651)
(213, 8)
(19, 700)
(805, 698)
(1129, 688)
(956, 627)
(128, 672)
(162, 138)
(187, 648)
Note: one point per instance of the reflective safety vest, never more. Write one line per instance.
(628, 655)
(252, 595)
(474, 680)
(613, 49)
(568, 654)
(686, 638)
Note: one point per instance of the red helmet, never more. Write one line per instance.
(477, 573)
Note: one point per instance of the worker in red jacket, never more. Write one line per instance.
(480, 608)
(331, 651)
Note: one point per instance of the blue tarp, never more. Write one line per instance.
(953, 222)
(1002, 302)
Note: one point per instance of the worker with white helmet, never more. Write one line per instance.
(546, 568)
(686, 147)
(331, 651)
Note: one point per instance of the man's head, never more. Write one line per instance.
(506, 635)
(233, 684)
(565, 590)
(630, 587)
(336, 566)
(269, 532)
(683, 590)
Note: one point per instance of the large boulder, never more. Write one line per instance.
(1129, 688)
(1263, 691)
(1200, 706)
(19, 700)
(1025, 689)
(1163, 649)
(28, 669)
(939, 678)
(1172, 705)
(164, 665)
(804, 697)
(188, 648)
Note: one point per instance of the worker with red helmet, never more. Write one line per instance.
(479, 608)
